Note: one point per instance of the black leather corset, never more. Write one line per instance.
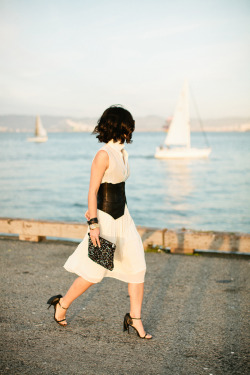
(111, 199)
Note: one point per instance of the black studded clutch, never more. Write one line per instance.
(103, 255)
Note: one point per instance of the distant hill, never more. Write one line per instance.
(51, 123)
(21, 123)
(68, 124)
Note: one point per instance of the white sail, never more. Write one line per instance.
(179, 134)
(179, 130)
(40, 130)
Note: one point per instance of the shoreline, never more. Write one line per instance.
(179, 241)
(207, 130)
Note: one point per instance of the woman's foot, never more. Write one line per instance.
(60, 312)
(137, 324)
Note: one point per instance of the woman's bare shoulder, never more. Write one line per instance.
(101, 158)
(102, 155)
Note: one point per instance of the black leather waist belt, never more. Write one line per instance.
(111, 199)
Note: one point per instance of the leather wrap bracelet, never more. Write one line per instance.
(93, 221)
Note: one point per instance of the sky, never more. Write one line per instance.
(77, 57)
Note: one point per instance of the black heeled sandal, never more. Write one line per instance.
(54, 301)
(128, 321)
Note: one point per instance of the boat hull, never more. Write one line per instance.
(38, 139)
(182, 153)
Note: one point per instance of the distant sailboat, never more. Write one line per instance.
(177, 141)
(40, 132)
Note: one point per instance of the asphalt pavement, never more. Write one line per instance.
(195, 306)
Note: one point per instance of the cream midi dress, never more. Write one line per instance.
(129, 258)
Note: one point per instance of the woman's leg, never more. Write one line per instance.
(78, 287)
(135, 292)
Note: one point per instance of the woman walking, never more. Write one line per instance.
(108, 216)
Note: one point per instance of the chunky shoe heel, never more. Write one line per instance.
(128, 321)
(53, 301)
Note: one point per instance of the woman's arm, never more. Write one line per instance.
(98, 168)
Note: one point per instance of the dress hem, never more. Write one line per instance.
(110, 276)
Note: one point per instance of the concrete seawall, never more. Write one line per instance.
(178, 241)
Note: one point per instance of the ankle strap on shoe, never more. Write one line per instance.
(65, 308)
(136, 318)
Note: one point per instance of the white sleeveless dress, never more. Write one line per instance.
(129, 259)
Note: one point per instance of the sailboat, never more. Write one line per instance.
(40, 132)
(177, 142)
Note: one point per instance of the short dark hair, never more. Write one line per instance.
(115, 123)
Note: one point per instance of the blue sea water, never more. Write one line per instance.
(50, 181)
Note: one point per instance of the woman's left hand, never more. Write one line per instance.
(94, 235)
